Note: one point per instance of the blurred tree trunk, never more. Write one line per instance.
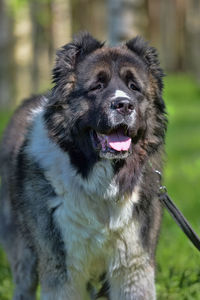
(62, 27)
(41, 27)
(7, 62)
(126, 19)
(23, 52)
(167, 31)
(172, 34)
(154, 23)
(42, 39)
(51, 28)
(193, 37)
(89, 15)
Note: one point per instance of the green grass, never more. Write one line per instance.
(178, 262)
(178, 268)
(6, 286)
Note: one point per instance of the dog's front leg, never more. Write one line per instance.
(71, 289)
(132, 283)
(64, 293)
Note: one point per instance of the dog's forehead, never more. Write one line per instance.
(108, 60)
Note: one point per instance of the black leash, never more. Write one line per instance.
(177, 215)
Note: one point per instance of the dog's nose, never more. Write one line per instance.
(123, 106)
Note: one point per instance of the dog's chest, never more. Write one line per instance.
(91, 232)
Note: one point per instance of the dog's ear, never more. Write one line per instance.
(68, 56)
(149, 55)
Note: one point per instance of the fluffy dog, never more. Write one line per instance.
(79, 207)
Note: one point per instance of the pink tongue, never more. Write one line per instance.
(118, 141)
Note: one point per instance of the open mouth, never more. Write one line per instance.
(116, 144)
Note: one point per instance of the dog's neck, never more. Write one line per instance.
(58, 170)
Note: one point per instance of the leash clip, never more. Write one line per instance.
(162, 188)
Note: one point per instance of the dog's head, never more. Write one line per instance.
(106, 102)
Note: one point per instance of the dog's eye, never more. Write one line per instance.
(97, 87)
(132, 86)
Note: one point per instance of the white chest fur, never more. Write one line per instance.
(91, 229)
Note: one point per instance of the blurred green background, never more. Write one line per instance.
(30, 31)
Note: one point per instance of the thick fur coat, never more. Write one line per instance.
(79, 207)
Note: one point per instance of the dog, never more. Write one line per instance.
(80, 213)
